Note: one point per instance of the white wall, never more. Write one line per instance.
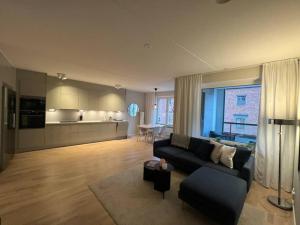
(138, 98)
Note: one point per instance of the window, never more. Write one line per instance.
(223, 107)
(165, 110)
(241, 100)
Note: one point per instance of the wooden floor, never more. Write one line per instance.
(50, 187)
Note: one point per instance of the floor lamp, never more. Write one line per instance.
(278, 201)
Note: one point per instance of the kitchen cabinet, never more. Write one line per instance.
(70, 94)
(58, 135)
(30, 139)
(93, 100)
(31, 83)
(68, 97)
(79, 133)
(83, 99)
(112, 100)
(122, 129)
(53, 93)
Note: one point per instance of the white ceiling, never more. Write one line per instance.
(102, 41)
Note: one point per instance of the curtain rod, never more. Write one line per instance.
(281, 60)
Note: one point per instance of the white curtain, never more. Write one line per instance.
(280, 95)
(150, 112)
(187, 112)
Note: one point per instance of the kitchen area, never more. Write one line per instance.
(55, 112)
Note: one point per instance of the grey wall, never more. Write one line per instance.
(139, 98)
(8, 77)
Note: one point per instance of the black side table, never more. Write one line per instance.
(149, 169)
(162, 178)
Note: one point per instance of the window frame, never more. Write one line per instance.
(168, 98)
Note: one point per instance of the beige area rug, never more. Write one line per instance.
(132, 201)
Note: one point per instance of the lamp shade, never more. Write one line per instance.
(283, 122)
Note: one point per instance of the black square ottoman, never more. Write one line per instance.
(218, 195)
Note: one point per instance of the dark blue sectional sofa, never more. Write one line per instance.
(216, 190)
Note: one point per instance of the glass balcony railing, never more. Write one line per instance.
(239, 132)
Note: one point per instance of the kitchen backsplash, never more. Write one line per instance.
(73, 115)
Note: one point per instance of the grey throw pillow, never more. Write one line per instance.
(181, 141)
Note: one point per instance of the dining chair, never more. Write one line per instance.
(142, 133)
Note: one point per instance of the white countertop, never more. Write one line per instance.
(84, 122)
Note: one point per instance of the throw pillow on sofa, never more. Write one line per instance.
(216, 152)
(180, 141)
(201, 148)
(241, 156)
(227, 156)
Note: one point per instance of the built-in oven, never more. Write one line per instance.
(32, 112)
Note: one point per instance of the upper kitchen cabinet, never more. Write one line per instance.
(71, 94)
(53, 93)
(83, 99)
(93, 100)
(61, 94)
(31, 83)
(112, 100)
(68, 97)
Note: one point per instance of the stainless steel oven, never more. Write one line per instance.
(32, 112)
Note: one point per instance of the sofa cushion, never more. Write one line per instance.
(217, 194)
(201, 148)
(189, 161)
(180, 141)
(241, 156)
(222, 168)
(168, 152)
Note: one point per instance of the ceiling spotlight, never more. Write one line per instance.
(62, 76)
(118, 86)
(222, 1)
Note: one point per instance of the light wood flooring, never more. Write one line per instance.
(50, 187)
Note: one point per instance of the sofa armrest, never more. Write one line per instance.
(247, 172)
(161, 143)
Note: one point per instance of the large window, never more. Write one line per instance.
(231, 113)
(165, 110)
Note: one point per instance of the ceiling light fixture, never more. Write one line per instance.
(118, 86)
(222, 1)
(155, 99)
(62, 76)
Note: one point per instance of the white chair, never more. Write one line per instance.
(142, 133)
(162, 134)
(150, 135)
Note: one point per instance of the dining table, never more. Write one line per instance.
(150, 126)
(148, 130)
